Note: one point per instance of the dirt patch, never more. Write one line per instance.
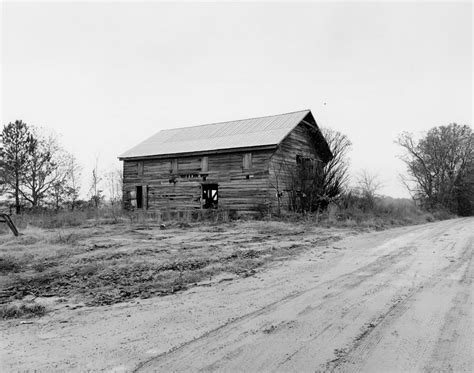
(119, 263)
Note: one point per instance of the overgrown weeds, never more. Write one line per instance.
(47, 219)
(113, 264)
(9, 264)
(66, 237)
(22, 310)
(353, 211)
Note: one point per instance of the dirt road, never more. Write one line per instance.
(397, 300)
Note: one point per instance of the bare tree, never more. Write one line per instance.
(74, 171)
(58, 189)
(65, 190)
(439, 166)
(291, 184)
(368, 186)
(114, 183)
(335, 173)
(96, 194)
(276, 182)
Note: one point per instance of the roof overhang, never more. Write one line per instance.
(202, 153)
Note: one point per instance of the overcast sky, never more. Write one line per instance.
(105, 76)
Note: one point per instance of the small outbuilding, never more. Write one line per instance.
(243, 165)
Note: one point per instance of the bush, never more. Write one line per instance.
(442, 214)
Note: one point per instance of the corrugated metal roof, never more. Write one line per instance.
(242, 133)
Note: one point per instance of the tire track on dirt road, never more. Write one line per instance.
(351, 280)
(397, 303)
(405, 337)
(307, 317)
(365, 273)
(458, 318)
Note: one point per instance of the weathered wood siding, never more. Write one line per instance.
(283, 165)
(175, 183)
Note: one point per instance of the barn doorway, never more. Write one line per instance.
(209, 196)
(139, 197)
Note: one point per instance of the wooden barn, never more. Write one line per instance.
(242, 165)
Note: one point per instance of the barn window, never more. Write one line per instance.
(306, 167)
(306, 163)
(204, 164)
(209, 196)
(174, 166)
(189, 176)
(247, 161)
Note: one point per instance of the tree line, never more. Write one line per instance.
(37, 172)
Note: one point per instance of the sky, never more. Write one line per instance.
(107, 75)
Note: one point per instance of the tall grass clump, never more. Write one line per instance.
(379, 211)
(58, 219)
(9, 264)
(27, 310)
(353, 210)
(51, 219)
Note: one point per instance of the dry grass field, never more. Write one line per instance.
(107, 256)
(105, 264)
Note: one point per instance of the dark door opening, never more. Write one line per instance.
(147, 196)
(139, 197)
(209, 196)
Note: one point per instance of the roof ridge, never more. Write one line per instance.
(235, 120)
